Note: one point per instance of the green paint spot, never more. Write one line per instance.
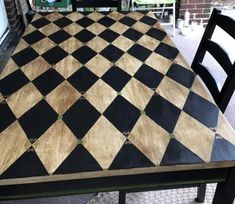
(190, 89)
(171, 135)
(18, 67)
(43, 97)
(119, 93)
(142, 112)
(60, 117)
(79, 141)
(81, 65)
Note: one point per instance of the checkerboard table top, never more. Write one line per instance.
(91, 94)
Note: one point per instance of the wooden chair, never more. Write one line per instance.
(96, 4)
(221, 96)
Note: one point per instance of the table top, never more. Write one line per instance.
(101, 94)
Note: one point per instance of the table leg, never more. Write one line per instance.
(225, 191)
(122, 197)
(201, 193)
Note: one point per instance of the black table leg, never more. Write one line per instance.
(122, 197)
(201, 193)
(225, 191)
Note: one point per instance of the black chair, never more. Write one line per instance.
(221, 96)
(96, 4)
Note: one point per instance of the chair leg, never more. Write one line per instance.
(122, 197)
(201, 193)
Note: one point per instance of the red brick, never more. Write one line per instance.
(203, 5)
(206, 10)
(196, 1)
(188, 6)
(202, 15)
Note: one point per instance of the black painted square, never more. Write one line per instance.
(132, 34)
(163, 112)
(24, 56)
(81, 117)
(48, 81)
(202, 110)
(59, 36)
(109, 35)
(84, 54)
(112, 53)
(34, 37)
(149, 76)
(40, 22)
(7, 117)
(79, 160)
(181, 75)
(85, 22)
(54, 55)
(83, 79)
(116, 78)
(127, 21)
(84, 35)
(139, 52)
(148, 20)
(122, 114)
(157, 34)
(38, 119)
(13, 82)
(106, 21)
(63, 22)
(167, 51)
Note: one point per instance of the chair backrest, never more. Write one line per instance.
(96, 4)
(221, 96)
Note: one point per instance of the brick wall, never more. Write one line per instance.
(199, 9)
(15, 21)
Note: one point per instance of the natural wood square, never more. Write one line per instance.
(73, 28)
(159, 63)
(135, 15)
(129, 64)
(21, 45)
(71, 45)
(141, 27)
(43, 45)
(98, 65)
(100, 95)
(49, 29)
(119, 27)
(75, 16)
(103, 141)
(173, 92)
(29, 29)
(195, 136)
(55, 145)
(13, 143)
(97, 44)
(123, 43)
(137, 93)
(96, 28)
(115, 15)
(95, 16)
(54, 16)
(24, 99)
(148, 42)
(150, 139)
(9, 68)
(62, 97)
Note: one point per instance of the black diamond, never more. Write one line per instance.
(83, 79)
(139, 52)
(149, 76)
(202, 110)
(176, 153)
(167, 51)
(106, 21)
(59, 36)
(181, 75)
(148, 20)
(27, 165)
(6, 116)
(109, 35)
(127, 21)
(112, 53)
(163, 112)
(122, 114)
(54, 55)
(85, 22)
(40, 22)
(34, 37)
(130, 157)
(47, 81)
(84, 54)
(222, 150)
(84, 36)
(13, 82)
(81, 117)
(38, 119)
(157, 34)
(25, 56)
(116, 78)
(63, 22)
(86, 162)
(132, 34)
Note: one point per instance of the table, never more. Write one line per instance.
(95, 102)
